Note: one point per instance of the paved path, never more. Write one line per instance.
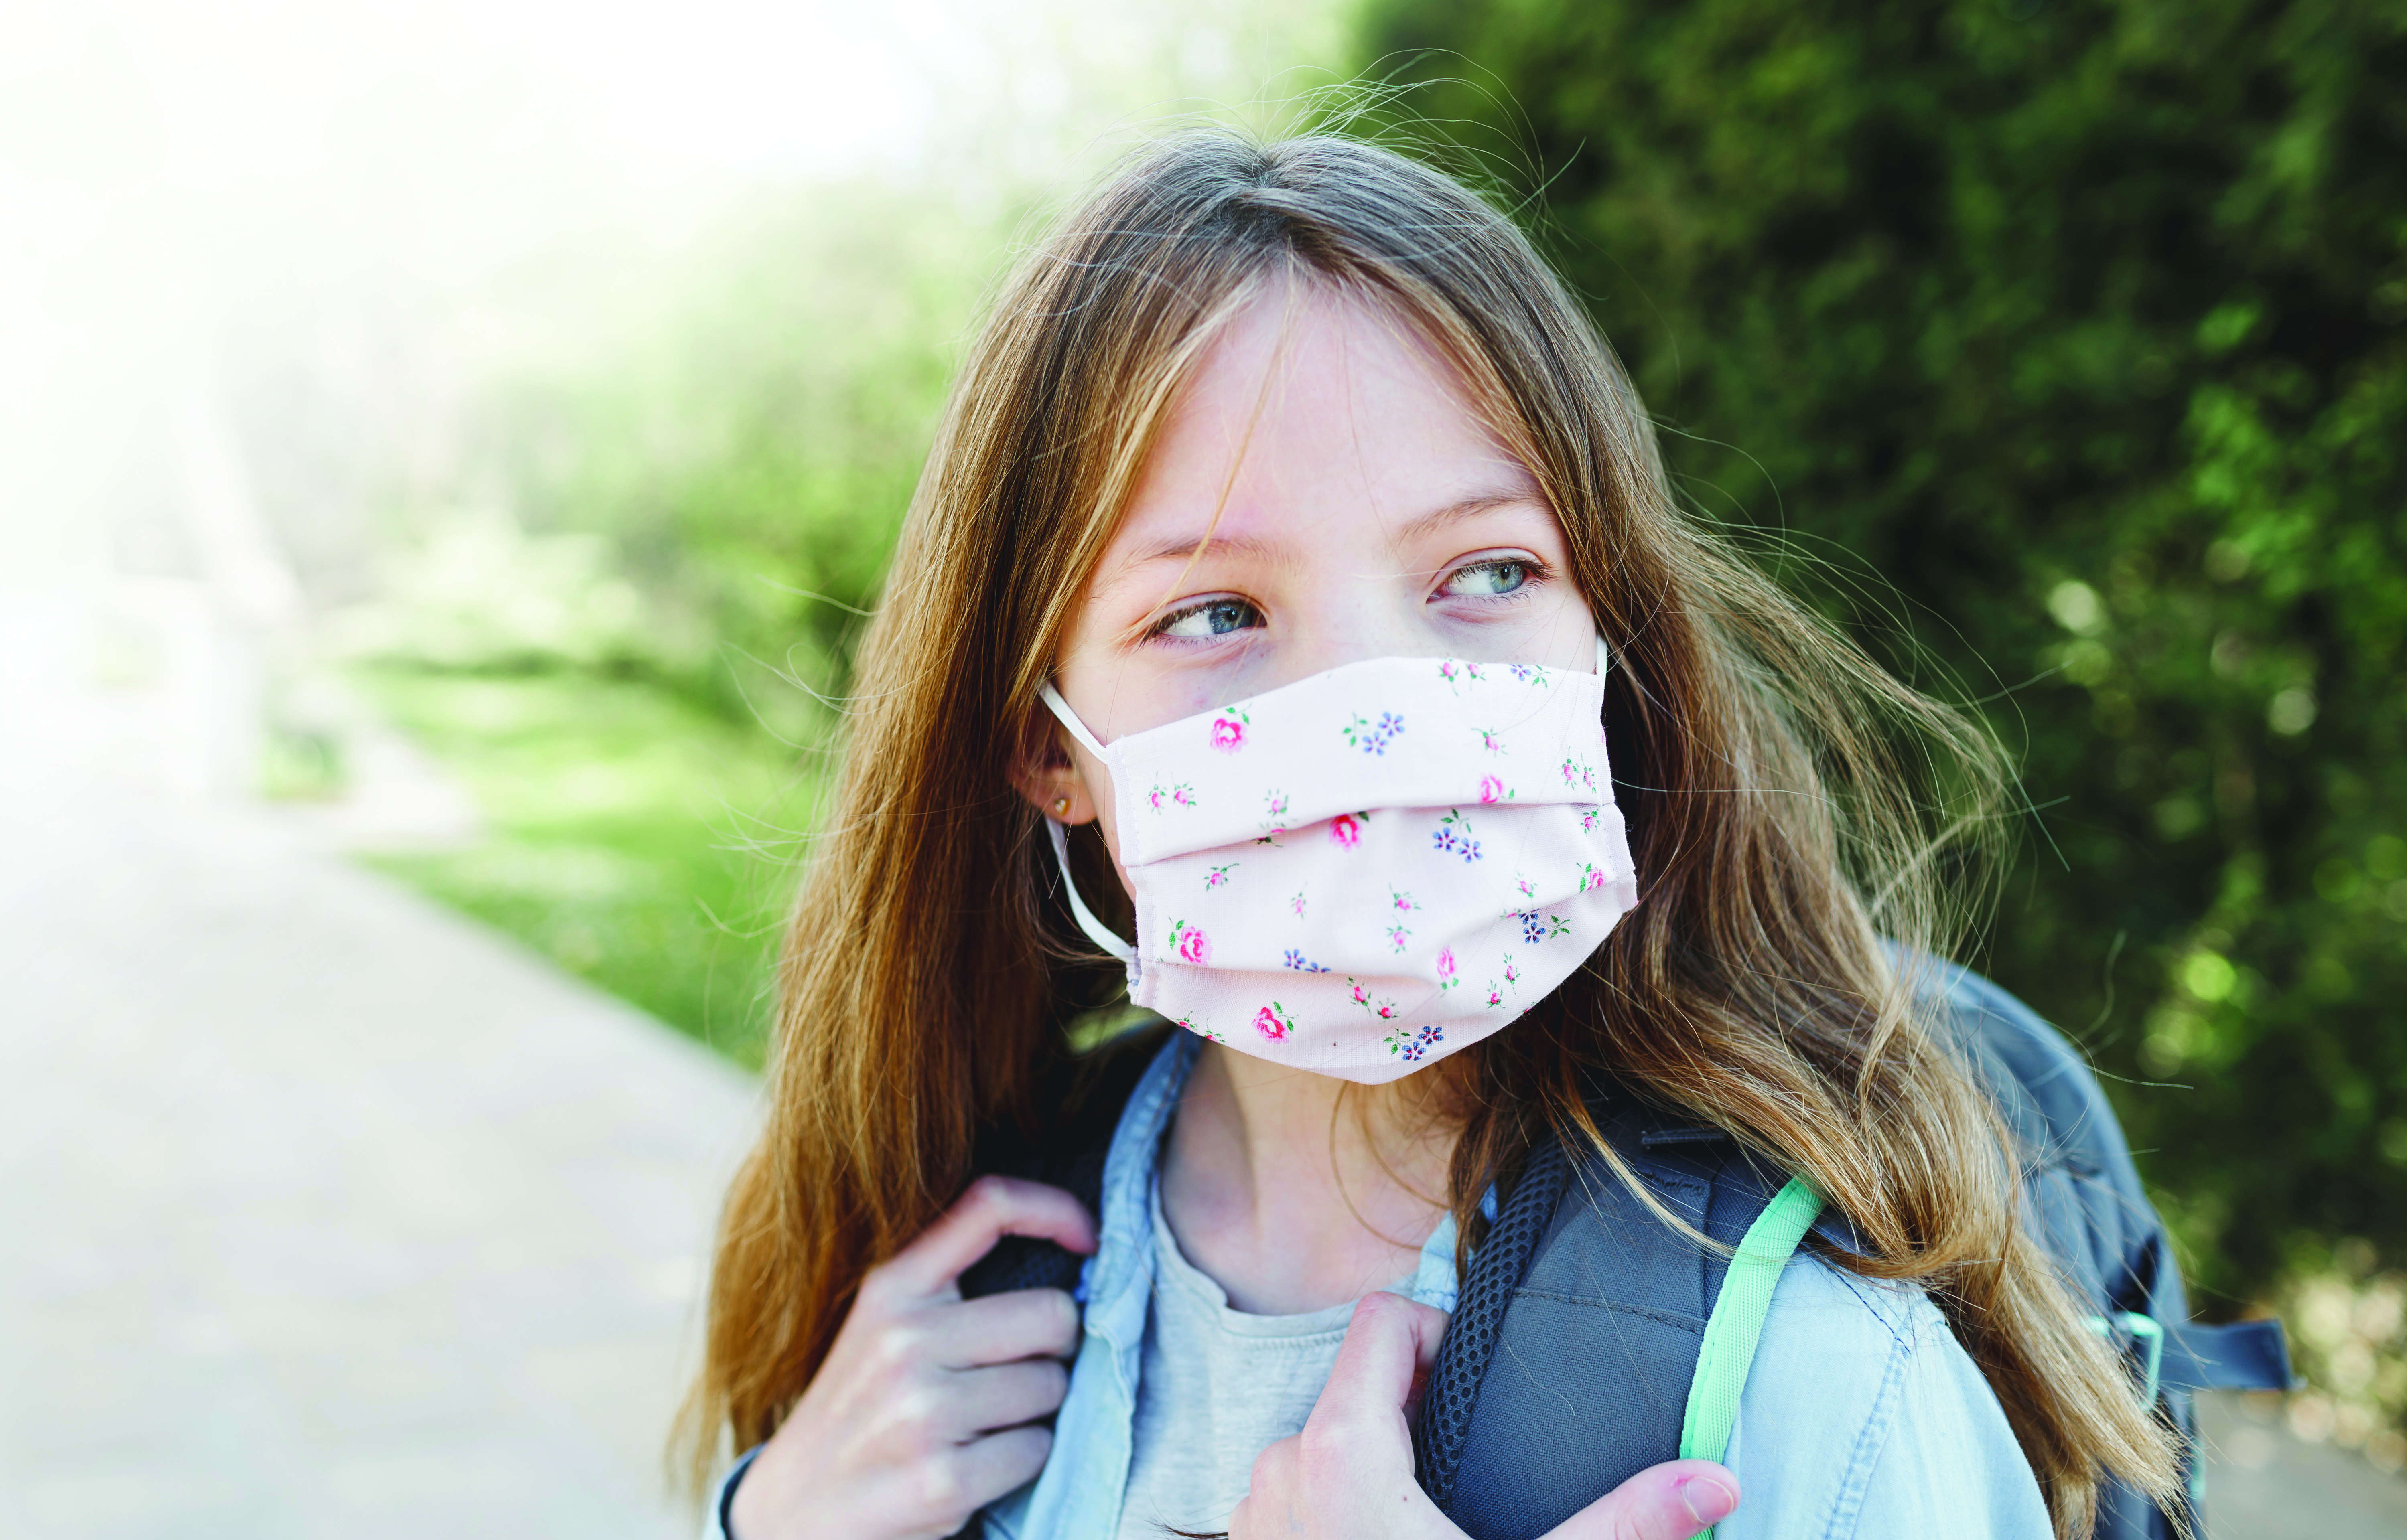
(2262, 1484)
(326, 1213)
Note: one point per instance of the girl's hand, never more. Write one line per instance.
(919, 1414)
(1348, 1475)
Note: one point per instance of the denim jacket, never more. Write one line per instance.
(1862, 1415)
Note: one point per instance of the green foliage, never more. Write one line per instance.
(636, 839)
(2081, 324)
(748, 447)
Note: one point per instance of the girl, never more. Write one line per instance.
(1293, 542)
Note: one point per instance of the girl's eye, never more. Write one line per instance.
(1486, 579)
(1213, 617)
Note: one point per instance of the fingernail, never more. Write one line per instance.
(1709, 1501)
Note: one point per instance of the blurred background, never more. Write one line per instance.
(445, 451)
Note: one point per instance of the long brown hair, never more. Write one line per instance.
(1790, 804)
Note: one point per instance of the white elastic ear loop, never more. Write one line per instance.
(1060, 708)
(1603, 662)
(1096, 931)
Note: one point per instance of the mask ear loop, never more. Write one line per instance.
(1095, 930)
(1603, 661)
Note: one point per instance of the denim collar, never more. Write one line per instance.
(1078, 1494)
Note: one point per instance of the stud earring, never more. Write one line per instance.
(1060, 807)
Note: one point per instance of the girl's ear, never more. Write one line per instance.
(1043, 773)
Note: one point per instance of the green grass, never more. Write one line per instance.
(638, 841)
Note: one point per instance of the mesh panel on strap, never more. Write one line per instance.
(1497, 1269)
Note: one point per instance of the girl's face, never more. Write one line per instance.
(1364, 511)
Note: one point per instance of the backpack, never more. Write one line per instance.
(1630, 1344)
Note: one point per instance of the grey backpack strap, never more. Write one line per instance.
(1497, 1269)
(1576, 1339)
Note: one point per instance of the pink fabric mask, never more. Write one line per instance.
(1365, 870)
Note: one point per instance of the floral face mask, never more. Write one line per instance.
(1364, 871)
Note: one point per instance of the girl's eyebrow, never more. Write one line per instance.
(1470, 507)
(1192, 546)
(1184, 548)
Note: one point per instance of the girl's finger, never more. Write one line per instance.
(994, 1207)
(1667, 1502)
(1390, 1341)
(987, 1467)
(1024, 1323)
(1006, 1395)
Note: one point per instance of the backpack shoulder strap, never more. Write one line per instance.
(1085, 1106)
(1443, 1423)
(1577, 1339)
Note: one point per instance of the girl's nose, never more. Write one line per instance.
(1358, 620)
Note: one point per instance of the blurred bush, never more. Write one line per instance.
(743, 448)
(481, 595)
(2348, 1332)
(2080, 323)
(621, 647)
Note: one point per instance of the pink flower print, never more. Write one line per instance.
(1491, 740)
(1445, 979)
(1512, 974)
(1273, 814)
(1402, 900)
(1397, 935)
(1193, 946)
(1296, 904)
(1495, 997)
(1182, 793)
(1272, 1022)
(1590, 819)
(1384, 1011)
(1523, 883)
(1218, 876)
(1579, 773)
(1490, 789)
(1447, 668)
(1591, 877)
(1228, 731)
(1201, 1031)
(1346, 830)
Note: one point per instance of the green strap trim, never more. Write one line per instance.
(1736, 1324)
(2144, 1330)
